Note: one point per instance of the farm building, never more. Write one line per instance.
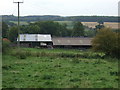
(43, 40)
(72, 42)
(32, 40)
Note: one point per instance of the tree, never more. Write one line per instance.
(4, 29)
(78, 29)
(89, 33)
(50, 27)
(13, 34)
(62, 30)
(107, 41)
(100, 26)
(30, 29)
(33, 29)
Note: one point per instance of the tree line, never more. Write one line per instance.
(43, 27)
(60, 18)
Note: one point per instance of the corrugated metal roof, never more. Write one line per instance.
(72, 41)
(35, 37)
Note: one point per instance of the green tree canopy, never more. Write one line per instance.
(12, 34)
(78, 29)
(51, 27)
(4, 29)
(107, 41)
(30, 29)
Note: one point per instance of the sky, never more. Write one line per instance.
(61, 7)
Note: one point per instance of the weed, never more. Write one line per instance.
(58, 65)
(28, 53)
(38, 54)
(47, 77)
(76, 60)
(6, 67)
(75, 80)
(66, 55)
(49, 83)
(114, 73)
(43, 53)
(20, 54)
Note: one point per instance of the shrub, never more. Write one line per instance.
(66, 55)
(5, 45)
(20, 54)
(107, 41)
(38, 54)
(47, 77)
(75, 80)
(28, 53)
(43, 53)
(75, 60)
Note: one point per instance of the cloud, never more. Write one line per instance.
(61, 7)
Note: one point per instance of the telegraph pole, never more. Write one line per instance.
(18, 42)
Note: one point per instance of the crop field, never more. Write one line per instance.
(58, 68)
(90, 24)
(112, 25)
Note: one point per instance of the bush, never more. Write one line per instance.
(75, 60)
(28, 53)
(47, 77)
(107, 41)
(66, 55)
(5, 45)
(20, 54)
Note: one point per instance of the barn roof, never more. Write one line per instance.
(35, 37)
(72, 41)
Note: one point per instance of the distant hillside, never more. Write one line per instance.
(60, 18)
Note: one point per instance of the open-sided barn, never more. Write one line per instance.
(74, 42)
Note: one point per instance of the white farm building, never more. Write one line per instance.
(33, 40)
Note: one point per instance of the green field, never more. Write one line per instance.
(58, 68)
(21, 22)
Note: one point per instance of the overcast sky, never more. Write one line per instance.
(61, 7)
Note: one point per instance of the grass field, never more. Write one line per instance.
(21, 22)
(58, 68)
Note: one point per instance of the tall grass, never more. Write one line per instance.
(22, 54)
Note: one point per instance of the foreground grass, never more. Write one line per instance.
(58, 72)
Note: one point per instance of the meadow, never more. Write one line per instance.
(58, 68)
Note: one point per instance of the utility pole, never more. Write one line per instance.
(18, 42)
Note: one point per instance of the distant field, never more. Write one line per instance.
(58, 68)
(69, 24)
(90, 24)
(112, 25)
(21, 22)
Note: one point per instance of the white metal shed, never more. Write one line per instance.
(35, 38)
